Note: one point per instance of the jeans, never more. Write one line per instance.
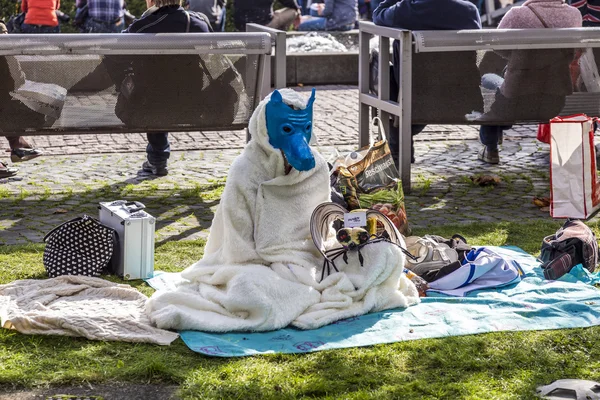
(159, 148)
(26, 28)
(490, 135)
(313, 24)
(221, 26)
(92, 25)
(304, 6)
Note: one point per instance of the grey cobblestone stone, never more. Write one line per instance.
(80, 171)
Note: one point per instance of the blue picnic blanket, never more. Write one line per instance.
(532, 304)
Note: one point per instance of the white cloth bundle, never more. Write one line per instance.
(260, 267)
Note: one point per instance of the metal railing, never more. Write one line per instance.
(278, 40)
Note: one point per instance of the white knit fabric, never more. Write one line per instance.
(260, 267)
(77, 305)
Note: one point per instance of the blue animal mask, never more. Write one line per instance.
(290, 130)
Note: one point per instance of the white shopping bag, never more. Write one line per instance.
(574, 186)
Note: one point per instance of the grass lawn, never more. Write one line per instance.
(490, 366)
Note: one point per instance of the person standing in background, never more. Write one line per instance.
(40, 16)
(103, 16)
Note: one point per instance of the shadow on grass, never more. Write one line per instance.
(190, 209)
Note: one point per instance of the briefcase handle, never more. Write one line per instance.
(125, 204)
(138, 206)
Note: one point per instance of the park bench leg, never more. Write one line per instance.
(363, 88)
(405, 104)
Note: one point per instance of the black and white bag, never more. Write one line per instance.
(81, 246)
(574, 243)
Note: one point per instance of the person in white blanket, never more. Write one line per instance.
(260, 268)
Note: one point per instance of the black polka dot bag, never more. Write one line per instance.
(81, 246)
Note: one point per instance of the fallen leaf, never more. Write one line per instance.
(541, 202)
(485, 180)
(60, 211)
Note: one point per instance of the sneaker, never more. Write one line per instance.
(489, 156)
(158, 170)
(6, 171)
(23, 154)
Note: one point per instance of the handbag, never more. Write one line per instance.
(574, 243)
(14, 23)
(81, 246)
(81, 15)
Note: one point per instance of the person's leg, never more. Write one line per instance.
(394, 139)
(6, 171)
(158, 152)
(16, 142)
(283, 18)
(343, 28)
(313, 24)
(20, 150)
(489, 136)
(491, 81)
(221, 27)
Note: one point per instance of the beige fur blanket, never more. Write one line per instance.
(79, 306)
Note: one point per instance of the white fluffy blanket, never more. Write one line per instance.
(79, 306)
(260, 268)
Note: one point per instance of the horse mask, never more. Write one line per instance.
(290, 130)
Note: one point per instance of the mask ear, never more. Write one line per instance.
(276, 97)
(311, 100)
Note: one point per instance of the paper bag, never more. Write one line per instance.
(574, 186)
(368, 178)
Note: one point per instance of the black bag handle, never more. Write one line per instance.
(139, 206)
(60, 226)
(85, 216)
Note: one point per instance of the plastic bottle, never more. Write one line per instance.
(419, 282)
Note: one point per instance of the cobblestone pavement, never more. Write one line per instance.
(80, 171)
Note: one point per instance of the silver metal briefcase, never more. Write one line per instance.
(134, 256)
